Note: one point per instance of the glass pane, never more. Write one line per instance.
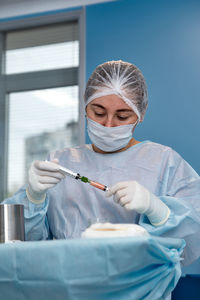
(42, 58)
(43, 48)
(40, 121)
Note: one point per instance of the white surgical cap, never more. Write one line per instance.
(122, 79)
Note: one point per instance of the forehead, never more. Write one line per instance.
(113, 102)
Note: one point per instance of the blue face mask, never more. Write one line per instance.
(109, 139)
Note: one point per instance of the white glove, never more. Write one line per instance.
(42, 176)
(134, 196)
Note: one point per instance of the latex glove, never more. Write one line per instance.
(42, 176)
(133, 196)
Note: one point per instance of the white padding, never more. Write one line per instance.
(102, 230)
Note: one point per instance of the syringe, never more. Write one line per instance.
(68, 172)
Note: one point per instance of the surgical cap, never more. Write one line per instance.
(122, 79)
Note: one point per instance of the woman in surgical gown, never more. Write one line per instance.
(149, 184)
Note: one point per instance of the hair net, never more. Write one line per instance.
(122, 79)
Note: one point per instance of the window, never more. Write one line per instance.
(43, 48)
(40, 96)
(40, 121)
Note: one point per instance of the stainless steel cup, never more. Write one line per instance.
(11, 222)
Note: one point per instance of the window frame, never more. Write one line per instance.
(10, 83)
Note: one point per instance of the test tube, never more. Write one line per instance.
(98, 185)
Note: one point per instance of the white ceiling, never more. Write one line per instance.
(9, 1)
(11, 8)
(67, 2)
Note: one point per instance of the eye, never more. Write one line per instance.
(98, 114)
(122, 118)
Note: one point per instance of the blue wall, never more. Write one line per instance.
(163, 39)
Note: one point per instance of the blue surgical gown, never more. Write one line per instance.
(72, 205)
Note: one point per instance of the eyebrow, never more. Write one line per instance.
(118, 110)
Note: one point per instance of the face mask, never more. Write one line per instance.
(109, 139)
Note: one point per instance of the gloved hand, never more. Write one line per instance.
(42, 176)
(132, 195)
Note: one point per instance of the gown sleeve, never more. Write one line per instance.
(35, 215)
(179, 189)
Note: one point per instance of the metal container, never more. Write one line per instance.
(11, 223)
